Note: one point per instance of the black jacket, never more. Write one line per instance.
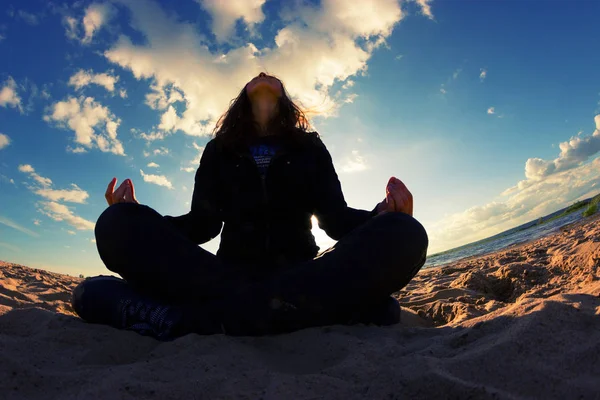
(267, 221)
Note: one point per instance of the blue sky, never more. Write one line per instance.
(487, 110)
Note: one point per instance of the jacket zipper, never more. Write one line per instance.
(266, 198)
(266, 202)
(263, 180)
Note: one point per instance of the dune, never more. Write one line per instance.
(520, 323)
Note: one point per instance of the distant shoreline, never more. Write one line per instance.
(515, 246)
(591, 204)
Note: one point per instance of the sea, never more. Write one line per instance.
(520, 234)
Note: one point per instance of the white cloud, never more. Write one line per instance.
(456, 73)
(169, 119)
(318, 47)
(153, 165)
(549, 186)
(444, 87)
(37, 222)
(12, 224)
(94, 125)
(160, 97)
(226, 13)
(491, 110)
(152, 136)
(9, 95)
(60, 212)
(74, 195)
(425, 8)
(195, 162)
(483, 74)
(96, 15)
(200, 149)
(28, 169)
(76, 150)
(4, 141)
(71, 27)
(2, 37)
(45, 94)
(71, 232)
(536, 168)
(573, 152)
(52, 209)
(123, 93)
(83, 78)
(354, 163)
(30, 19)
(163, 151)
(350, 98)
(160, 180)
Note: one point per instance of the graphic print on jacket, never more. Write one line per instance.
(263, 151)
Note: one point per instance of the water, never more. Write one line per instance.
(520, 234)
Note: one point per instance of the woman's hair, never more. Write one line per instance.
(237, 124)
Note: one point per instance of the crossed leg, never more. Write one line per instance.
(138, 243)
(367, 265)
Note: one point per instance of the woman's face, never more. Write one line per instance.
(264, 92)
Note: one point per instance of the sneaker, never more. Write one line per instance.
(111, 301)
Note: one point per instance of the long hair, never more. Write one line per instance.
(237, 124)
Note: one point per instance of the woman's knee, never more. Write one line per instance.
(117, 234)
(405, 231)
(117, 219)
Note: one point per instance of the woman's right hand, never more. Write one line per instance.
(124, 194)
(397, 198)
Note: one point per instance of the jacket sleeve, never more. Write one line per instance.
(331, 210)
(204, 221)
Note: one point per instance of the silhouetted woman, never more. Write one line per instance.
(261, 178)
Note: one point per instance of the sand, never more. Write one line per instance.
(523, 322)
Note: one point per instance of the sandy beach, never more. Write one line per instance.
(521, 323)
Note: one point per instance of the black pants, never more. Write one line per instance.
(368, 264)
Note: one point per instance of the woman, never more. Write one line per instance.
(261, 178)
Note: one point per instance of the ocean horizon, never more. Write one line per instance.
(529, 231)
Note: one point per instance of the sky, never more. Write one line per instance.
(488, 111)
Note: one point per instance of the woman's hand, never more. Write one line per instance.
(124, 194)
(397, 198)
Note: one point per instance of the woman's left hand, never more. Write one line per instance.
(124, 194)
(397, 198)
